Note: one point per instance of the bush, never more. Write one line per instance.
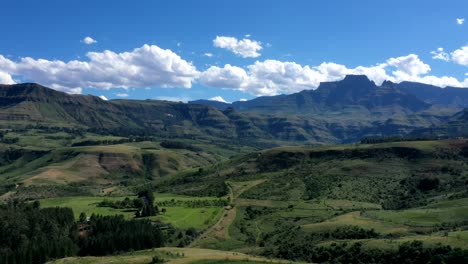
(157, 259)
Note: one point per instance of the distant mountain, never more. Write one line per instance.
(449, 96)
(353, 93)
(336, 112)
(456, 126)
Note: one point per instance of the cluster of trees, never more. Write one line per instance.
(289, 242)
(149, 161)
(144, 204)
(251, 212)
(376, 140)
(100, 142)
(194, 203)
(7, 140)
(33, 235)
(349, 232)
(126, 203)
(9, 155)
(171, 144)
(52, 129)
(30, 234)
(110, 234)
(409, 252)
(148, 208)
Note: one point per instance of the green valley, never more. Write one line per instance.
(211, 187)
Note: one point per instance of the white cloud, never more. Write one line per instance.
(207, 54)
(6, 78)
(440, 54)
(460, 21)
(245, 48)
(88, 40)
(272, 77)
(226, 77)
(460, 55)
(148, 66)
(122, 94)
(174, 98)
(218, 99)
(103, 98)
(409, 65)
(242, 100)
(247, 35)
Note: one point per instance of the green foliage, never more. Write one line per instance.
(196, 203)
(110, 234)
(34, 235)
(410, 252)
(351, 232)
(171, 144)
(157, 259)
(126, 203)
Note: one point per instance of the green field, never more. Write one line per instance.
(424, 216)
(379, 196)
(179, 217)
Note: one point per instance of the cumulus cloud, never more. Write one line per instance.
(219, 99)
(244, 48)
(460, 21)
(228, 76)
(207, 54)
(6, 78)
(440, 54)
(88, 40)
(147, 66)
(272, 77)
(121, 94)
(460, 55)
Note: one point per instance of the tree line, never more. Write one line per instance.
(194, 203)
(30, 234)
(143, 204)
(291, 243)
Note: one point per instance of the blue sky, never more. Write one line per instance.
(185, 50)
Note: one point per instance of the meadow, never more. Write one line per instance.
(179, 217)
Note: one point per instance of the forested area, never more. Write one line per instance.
(30, 234)
(292, 244)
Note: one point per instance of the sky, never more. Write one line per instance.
(229, 50)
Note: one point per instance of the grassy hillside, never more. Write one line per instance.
(282, 201)
(402, 191)
(39, 163)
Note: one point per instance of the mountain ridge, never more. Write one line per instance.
(336, 112)
(428, 94)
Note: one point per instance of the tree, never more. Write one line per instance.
(82, 218)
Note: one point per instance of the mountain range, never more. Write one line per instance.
(336, 112)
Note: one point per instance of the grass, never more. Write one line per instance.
(172, 255)
(86, 204)
(183, 217)
(179, 217)
(423, 217)
(354, 218)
